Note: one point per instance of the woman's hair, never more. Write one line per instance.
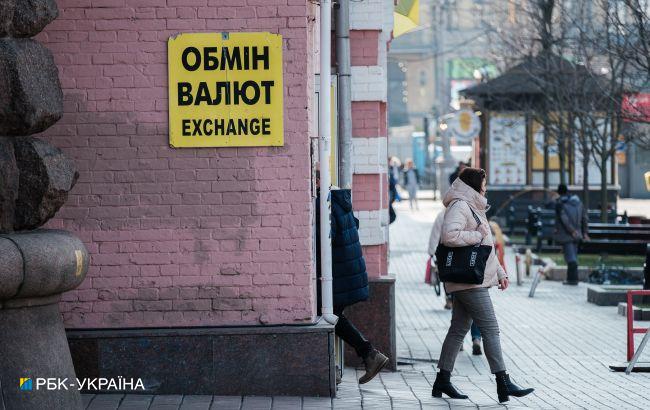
(473, 177)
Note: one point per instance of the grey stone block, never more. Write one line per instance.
(8, 184)
(11, 269)
(52, 262)
(167, 399)
(259, 360)
(32, 345)
(26, 18)
(375, 318)
(31, 99)
(226, 403)
(608, 295)
(105, 402)
(638, 313)
(46, 177)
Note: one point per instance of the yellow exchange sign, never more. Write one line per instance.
(225, 90)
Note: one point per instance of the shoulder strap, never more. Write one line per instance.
(476, 218)
(478, 221)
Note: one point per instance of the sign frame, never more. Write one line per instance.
(225, 90)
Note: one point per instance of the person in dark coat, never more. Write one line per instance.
(571, 227)
(350, 280)
(461, 166)
(392, 190)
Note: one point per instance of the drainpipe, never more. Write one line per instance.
(344, 93)
(324, 141)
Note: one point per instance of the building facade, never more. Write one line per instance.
(202, 249)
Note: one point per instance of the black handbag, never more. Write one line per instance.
(463, 264)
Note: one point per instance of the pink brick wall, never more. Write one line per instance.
(366, 191)
(364, 47)
(369, 119)
(376, 260)
(180, 237)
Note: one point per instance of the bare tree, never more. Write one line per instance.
(583, 57)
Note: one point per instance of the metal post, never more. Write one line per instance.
(518, 266)
(324, 141)
(638, 352)
(344, 93)
(630, 325)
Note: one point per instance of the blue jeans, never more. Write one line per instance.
(474, 330)
(570, 250)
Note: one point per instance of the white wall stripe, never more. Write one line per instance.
(373, 227)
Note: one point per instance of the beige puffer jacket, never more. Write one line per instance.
(459, 229)
(436, 231)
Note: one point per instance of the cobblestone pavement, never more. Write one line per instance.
(556, 342)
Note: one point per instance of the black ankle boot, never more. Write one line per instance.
(507, 388)
(443, 385)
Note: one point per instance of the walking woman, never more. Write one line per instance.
(411, 182)
(466, 197)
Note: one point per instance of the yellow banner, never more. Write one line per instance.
(538, 149)
(225, 90)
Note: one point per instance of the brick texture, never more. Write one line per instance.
(369, 14)
(366, 191)
(369, 155)
(371, 22)
(369, 119)
(369, 83)
(180, 237)
(376, 261)
(364, 47)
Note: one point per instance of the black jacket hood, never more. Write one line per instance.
(343, 197)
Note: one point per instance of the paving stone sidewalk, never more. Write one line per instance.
(556, 342)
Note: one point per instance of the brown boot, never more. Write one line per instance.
(374, 363)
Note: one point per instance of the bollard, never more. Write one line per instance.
(518, 267)
(536, 279)
(528, 261)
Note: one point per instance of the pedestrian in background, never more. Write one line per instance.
(467, 205)
(571, 227)
(394, 171)
(461, 166)
(411, 182)
(392, 190)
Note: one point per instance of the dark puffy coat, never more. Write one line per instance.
(348, 266)
(350, 279)
(570, 217)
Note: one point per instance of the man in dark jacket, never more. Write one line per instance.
(571, 227)
(350, 280)
(461, 166)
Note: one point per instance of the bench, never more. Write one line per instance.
(518, 216)
(613, 238)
